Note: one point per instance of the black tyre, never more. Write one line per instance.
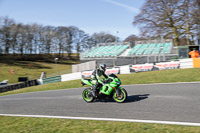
(122, 97)
(87, 95)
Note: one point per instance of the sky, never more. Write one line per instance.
(110, 16)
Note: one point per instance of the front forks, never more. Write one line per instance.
(118, 92)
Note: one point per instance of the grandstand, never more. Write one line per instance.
(122, 53)
(106, 51)
(151, 49)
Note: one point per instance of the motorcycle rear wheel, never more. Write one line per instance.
(122, 97)
(87, 95)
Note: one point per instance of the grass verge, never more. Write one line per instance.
(48, 125)
(30, 69)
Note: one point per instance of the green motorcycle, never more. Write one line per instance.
(110, 90)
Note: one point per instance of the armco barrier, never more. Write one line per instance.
(141, 67)
(18, 86)
(52, 79)
(112, 70)
(167, 65)
(186, 63)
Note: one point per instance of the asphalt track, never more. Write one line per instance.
(174, 102)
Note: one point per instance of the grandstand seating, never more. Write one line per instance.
(138, 50)
(150, 49)
(106, 51)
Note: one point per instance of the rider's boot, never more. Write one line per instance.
(94, 91)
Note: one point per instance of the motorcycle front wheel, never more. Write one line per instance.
(87, 95)
(121, 97)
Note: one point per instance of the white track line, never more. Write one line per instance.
(107, 119)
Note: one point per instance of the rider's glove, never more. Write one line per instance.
(105, 81)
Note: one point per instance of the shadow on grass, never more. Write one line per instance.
(34, 64)
(25, 64)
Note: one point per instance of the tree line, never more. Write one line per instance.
(176, 19)
(19, 38)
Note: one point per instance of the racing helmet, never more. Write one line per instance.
(102, 67)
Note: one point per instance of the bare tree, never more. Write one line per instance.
(80, 40)
(49, 35)
(196, 16)
(29, 38)
(103, 37)
(22, 39)
(166, 18)
(6, 34)
(132, 39)
(37, 31)
(13, 42)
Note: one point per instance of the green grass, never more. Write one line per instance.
(29, 69)
(49, 125)
(164, 76)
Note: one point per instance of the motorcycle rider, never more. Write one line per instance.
(96, 77)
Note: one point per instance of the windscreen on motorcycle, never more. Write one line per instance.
(115, 80)
(113, 75)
